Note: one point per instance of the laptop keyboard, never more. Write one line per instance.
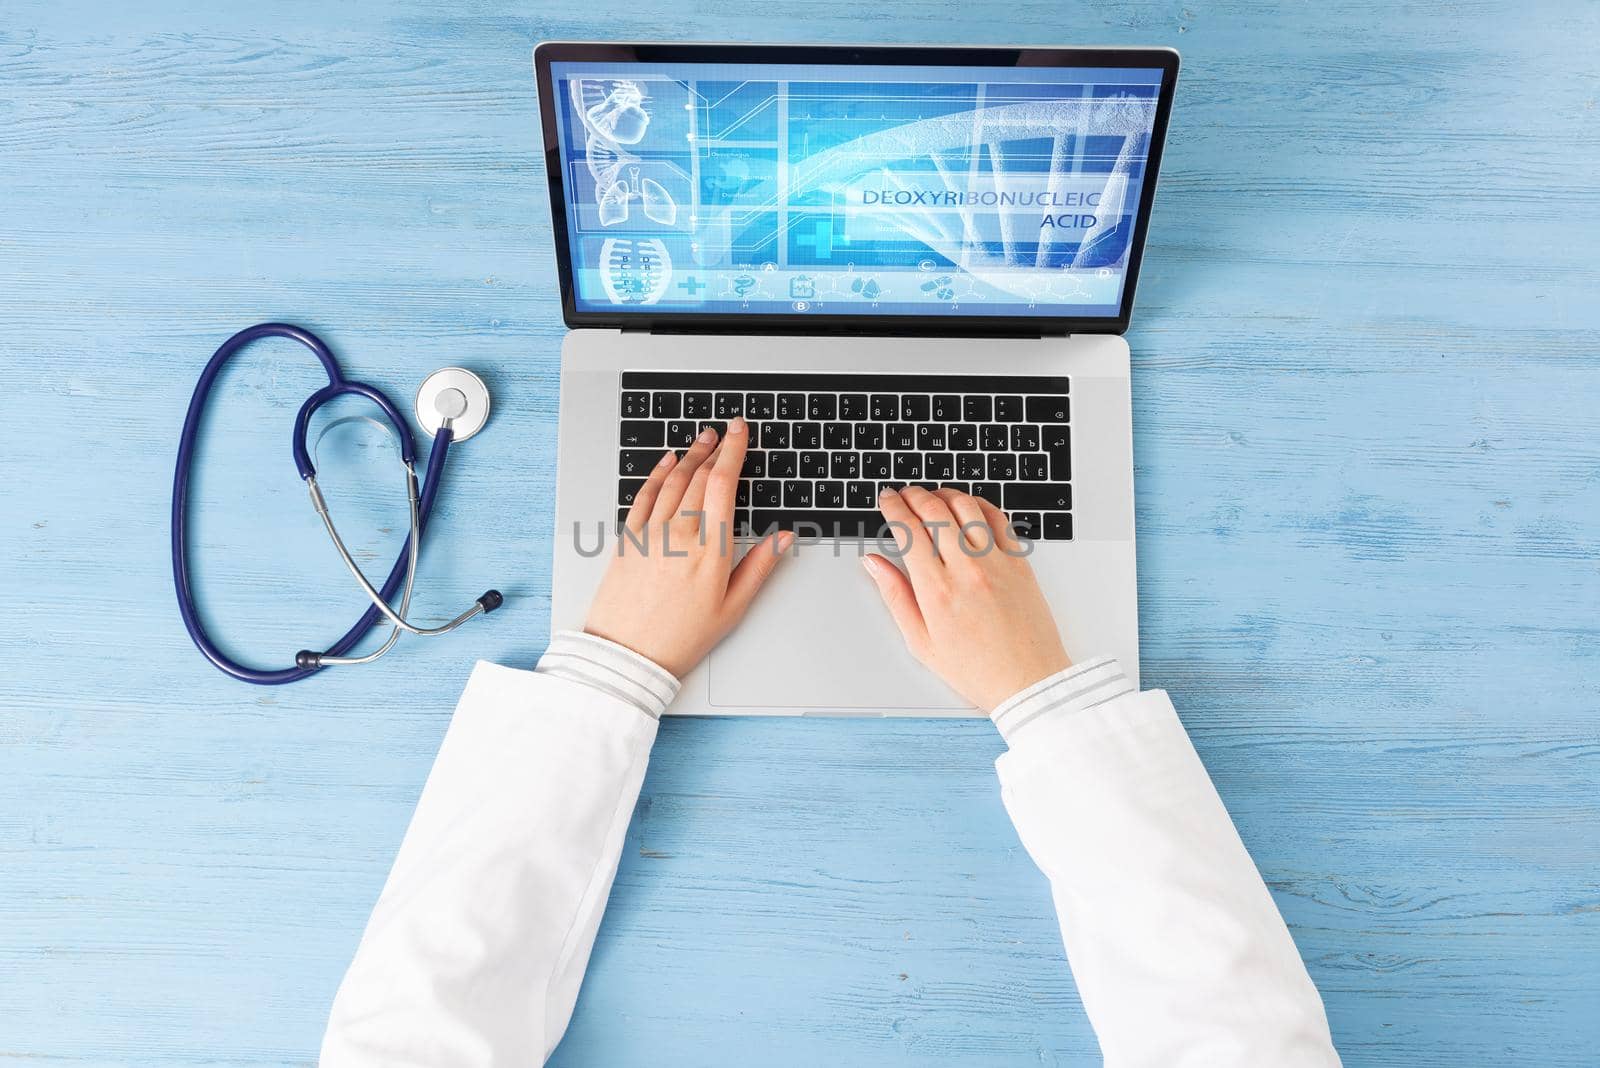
(823, 445)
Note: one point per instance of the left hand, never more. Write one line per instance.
(672, 591)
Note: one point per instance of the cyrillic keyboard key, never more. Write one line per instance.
(901, 436)
(1002, 468)
(797, 493)
(884, 407)
(791, 406)
(755, 464)
(946, 408)
(845, 465)
(680, 434)
(637, 463)
(853, 406)
(1048, 410)
(729, 405)
(939, 466)
(807, 436)
(643, 434)
(774, 435)
(1008, 409)
(830, 494)
(759, 405)
(963, 437)
(914, 408)
(823, 407)
(876, 465)
(846, 524)
(813, 465)
(1024, 438)
(836, 436)
(635, 405)
(970, 466)
(995, 439)
(908, 465)
(628, 489)
(977, 409)
(766, 493)
(698, 406)
(869, 436)
(930, 436)
(1034, 467)
(861, 495)
(1038, 496)
(666, 405)
(783, 464)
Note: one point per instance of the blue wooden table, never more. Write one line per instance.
(1367, 393)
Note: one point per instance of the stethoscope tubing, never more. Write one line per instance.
(187, 447)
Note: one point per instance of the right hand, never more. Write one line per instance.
(971, 610)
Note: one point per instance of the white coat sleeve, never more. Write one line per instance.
(1179, 954)
(479, 940)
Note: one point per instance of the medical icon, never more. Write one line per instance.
(942, 286)
(621, 116)
(742, 285)
(634, 271)
(802, 287)
(657, 202)
(866, 288)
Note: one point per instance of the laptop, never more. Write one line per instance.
(901, 266)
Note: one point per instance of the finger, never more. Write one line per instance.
(1000, 523)
(937, 518)
(645, 499)
(677, 482)
(901, 600)
(754, 570)
(722, 485)
(975, 531)
(910, 536)
(690, 510)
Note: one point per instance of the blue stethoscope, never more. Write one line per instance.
(453, 404)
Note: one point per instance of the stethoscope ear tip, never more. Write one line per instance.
(491, 600)
(306, 660)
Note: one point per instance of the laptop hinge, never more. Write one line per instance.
(832, 330)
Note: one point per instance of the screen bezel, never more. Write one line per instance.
(549, 52)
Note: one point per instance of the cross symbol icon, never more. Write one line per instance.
(692, 285)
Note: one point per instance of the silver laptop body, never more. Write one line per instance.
(895, 298)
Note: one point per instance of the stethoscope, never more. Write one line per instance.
(452, 405)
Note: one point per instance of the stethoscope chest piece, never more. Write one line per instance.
(456, 394)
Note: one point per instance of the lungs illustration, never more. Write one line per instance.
(658, 203)
(614, 204)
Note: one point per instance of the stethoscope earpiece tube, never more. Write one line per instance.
(308, 662)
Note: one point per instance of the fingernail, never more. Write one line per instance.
(707, 436)
(666, 458)
(871, 564)
(737, 426)
(888, 491)
(785, 540)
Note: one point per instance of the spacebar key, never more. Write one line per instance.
(859, 524)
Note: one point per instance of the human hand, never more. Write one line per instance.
(971, 610)
(672, 591)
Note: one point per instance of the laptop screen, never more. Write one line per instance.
(793, 190)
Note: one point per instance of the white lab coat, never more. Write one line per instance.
(478, 943)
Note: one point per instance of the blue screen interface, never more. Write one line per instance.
(892, 190)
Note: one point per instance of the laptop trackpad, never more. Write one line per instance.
(819, 638)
